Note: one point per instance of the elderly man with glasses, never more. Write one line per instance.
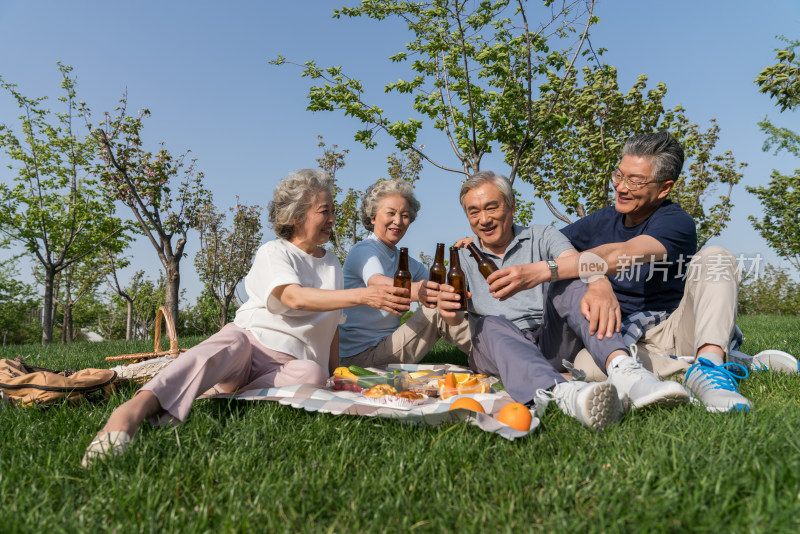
(679, 304)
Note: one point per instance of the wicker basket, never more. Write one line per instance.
(173, 351)
(143, 366)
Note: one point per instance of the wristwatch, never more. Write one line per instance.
(553, 270)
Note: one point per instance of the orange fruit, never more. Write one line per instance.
(446, 393)
(450, 380)
(467, 404)
(468, 383)
(516, 416)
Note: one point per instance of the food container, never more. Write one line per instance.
(433, 385)
(425, 384)
(397, 379)
(473, 384)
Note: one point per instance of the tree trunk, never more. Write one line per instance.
(67, 336)
(129, 320)
(172, 288)
(223, 315)
(47, 307)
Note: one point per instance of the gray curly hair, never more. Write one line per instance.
(293, 197)
(380, 189)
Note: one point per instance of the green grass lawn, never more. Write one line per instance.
(262, 467)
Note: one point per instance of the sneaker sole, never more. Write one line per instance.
(668, 397)
(738, 407)
(600, 406)
(776, 360)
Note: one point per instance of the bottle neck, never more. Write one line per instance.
(439, 258)
(455, 263)
(403, 264)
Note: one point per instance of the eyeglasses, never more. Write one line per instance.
(633, 183)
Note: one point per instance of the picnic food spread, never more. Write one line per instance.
(423, 382)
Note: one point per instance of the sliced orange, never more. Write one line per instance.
(450, 380)
(468, 383)
(447, 392)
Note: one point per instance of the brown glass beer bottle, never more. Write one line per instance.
(485, 265)
(456, 277)
(402, 277)
(438, 272)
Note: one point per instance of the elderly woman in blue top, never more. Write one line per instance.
(373, 337)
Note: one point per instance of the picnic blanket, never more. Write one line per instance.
(433, 412)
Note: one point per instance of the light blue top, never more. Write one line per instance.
(365, 327)
(529, 245)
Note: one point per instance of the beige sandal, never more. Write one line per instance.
(110, 443)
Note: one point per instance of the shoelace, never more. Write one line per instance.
(541, 400)
(719, 376)
(759, 366)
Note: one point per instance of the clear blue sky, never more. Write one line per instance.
(202, 69)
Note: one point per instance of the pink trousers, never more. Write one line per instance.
(230, 360)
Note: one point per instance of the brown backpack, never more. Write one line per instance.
(25, 385)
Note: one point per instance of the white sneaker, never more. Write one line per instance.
(643, 388)
(594, 404)
(105, 445)
(716, 386)
(776, 360)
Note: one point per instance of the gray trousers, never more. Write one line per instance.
(532, 359)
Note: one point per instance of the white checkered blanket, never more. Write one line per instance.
(433, 412)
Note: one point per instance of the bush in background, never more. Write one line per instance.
(773, 292)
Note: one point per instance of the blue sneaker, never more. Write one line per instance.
(716, 386)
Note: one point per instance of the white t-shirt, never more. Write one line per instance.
(365, 326)
(306, 335)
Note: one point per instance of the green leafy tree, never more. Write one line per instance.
(772, 292)
(114, 263)
(18, 302)
(226, 254)
(106, 314)
(54, 209)
(346, 229)
(165, 193)
(77, 282)
(148, 296)
(203, 318)
(474, 71)
(488, 75)
(780, 198)
(574, 162)
(404, 166)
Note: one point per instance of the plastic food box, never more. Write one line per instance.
(475, 385)
(399, 380)
(432, 385)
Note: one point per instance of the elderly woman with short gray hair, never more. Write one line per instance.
(285, 334)
(375, 337)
